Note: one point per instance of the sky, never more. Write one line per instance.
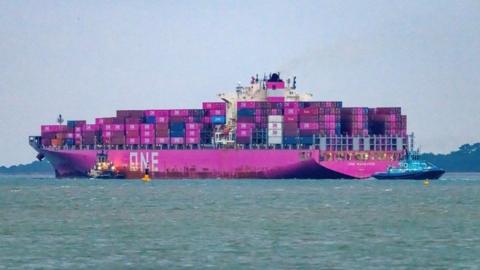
(86, 59)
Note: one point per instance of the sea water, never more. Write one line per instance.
(47, 223)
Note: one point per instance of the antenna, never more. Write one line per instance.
(60, 119)
(412, 141)
(294, 82)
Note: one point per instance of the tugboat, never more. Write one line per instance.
(104, 169)
(411, 168)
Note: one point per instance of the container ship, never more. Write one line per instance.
(265, 130)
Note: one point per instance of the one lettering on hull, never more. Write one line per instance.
(139, 161)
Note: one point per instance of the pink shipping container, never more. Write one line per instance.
(245, 125)
(109, 133)
(244, 132)
(148, 140)
(162, 133)
(131, 127)
(193, 133)
(53, 128)
(290, 118)
(161, 119)
(133, 140)
(118, 127)
(69, 135)
(147, 133)
(78, 129)
(78, 136)
(107, 127)
(133, 121)
(114, 140)
(115, 127)
(157, 113)
(162, 140)
(309, 111)
(104, 120)
(291, 105)
(246, 105)
(177, 140)
(217, 112)
(311, 126)
(193, 140)
(275, 99)
(386, 110)
(291, 111)
(193, 126)
(179, 112)
(308, 118)
(147, 127)
(133, 133)
(91, 127)
(130, 113)
(214, 106)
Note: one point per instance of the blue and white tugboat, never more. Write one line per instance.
(411, 168)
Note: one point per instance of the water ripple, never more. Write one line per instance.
(48, 223)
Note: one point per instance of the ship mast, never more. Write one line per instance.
(60, 119)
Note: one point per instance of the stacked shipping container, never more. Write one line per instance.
(134, 127)
(354, 121)
(387, 121)
(258, 122)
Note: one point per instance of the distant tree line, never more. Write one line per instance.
(36, 167)
(465, 159)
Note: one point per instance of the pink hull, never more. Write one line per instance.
(219, 163)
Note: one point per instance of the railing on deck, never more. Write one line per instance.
(331, 147)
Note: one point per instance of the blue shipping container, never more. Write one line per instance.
(305, 139)
(177, 125)
(218, 120)
(70, 124)
(150, 120)
(246, 112)
(290, 140)
(69, 141)
(177, 133)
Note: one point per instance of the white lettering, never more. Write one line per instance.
(133, 161)
(155, 161)
(144, 160)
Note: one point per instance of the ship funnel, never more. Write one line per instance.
(275, 78)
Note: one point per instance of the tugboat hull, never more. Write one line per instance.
(430, 174)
